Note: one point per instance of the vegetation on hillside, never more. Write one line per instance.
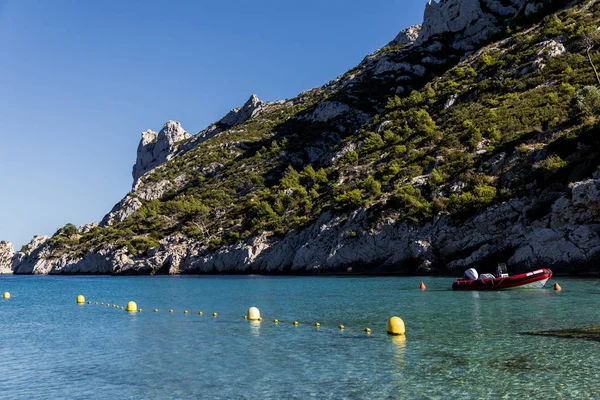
(508, 121)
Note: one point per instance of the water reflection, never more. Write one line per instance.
(255, 328)
(399, 346)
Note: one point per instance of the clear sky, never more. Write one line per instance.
(80, 79)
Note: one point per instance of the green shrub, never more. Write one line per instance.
(351, 157)
(350, 200)
(587, 101)
(410, 201)
(371, 187)
(550, 165)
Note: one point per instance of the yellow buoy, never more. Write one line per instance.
(259, 319)
(245, 317)
(317, 324)
(342, 327)
(253, 314)
(156, 310)
(185, 311)
(140, 310)
(132, 307)
(122, 308)
(295, 323)
(80, 299)
(557, 287)
(422, 286)
(170, 310)
(89, 302)
(96, 303)
(6, 295)
(101, 304)
(395, 326)
(368, 330)
(199, 312)
(214, 314)
(276, 321)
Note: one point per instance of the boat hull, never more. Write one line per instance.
(530, 280)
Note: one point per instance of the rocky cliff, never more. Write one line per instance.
(456, 145)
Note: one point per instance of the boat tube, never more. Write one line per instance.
(529, 280)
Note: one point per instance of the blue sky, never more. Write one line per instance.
(79, 81)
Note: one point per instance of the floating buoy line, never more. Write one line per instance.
(395, 325)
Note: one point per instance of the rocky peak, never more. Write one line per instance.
(157, 148)
(471, 20)
(240, 115)
(407, 36)
(7, 252)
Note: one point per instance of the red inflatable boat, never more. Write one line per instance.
(530, 280)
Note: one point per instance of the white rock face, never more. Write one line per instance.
(328, 110)
(467, 19)
(548, 49)
(7, 252)
(156, 148)
(237, 116)
(126, 207)
(407, 36)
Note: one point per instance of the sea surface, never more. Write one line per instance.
(457, 344)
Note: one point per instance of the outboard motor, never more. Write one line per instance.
(501, 271)
(471, 274)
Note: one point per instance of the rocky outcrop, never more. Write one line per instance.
(407, 36)
(126, 207)
(565, 239)
(471, 21)
(7, 252)
(157, 148)
(251, 109)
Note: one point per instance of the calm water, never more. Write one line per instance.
(458, 345)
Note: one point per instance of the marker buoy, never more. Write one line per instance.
(253, 314)
(171, 311)
(96, 303)
(317, 324)
(89, 302)
(140, 310)
(80, 299)
(156, 310)
(6, 295)
(185, 311)
(557, 287)
(132, 307)
(295, 323)
(259, 319)
(101, 304)
(422, 286)
(199, 312)
(368, 330)
(342, 327)
(214, 314)
(276, 321)
(395, 326)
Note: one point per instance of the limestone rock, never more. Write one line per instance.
(471, 21)
(328, 110)
(7, 252)
(548, 49)
(156, 148)
(240, 115)
(407, 36)
(126, 207)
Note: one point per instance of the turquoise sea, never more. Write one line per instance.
(457, 344)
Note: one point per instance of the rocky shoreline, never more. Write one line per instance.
(562, 240)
